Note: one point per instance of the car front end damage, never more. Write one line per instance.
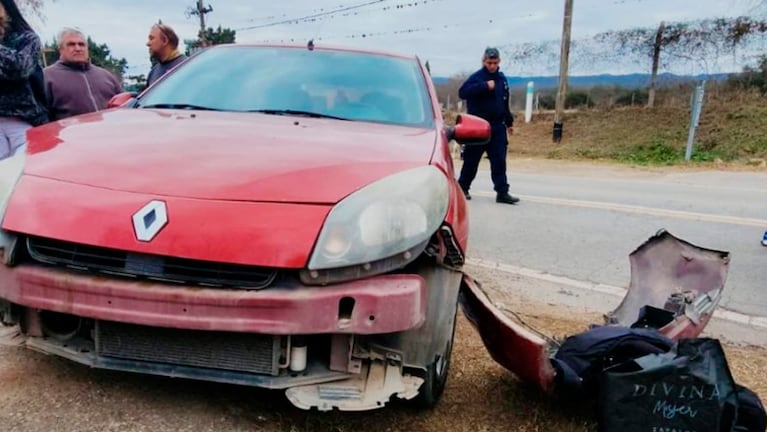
(349, 346)
(365, 321)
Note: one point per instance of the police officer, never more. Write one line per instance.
(486, 93)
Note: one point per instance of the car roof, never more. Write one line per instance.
(320, 47)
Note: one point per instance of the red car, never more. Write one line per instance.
(271, 216)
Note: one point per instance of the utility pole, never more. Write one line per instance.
(200, 10)
(655, 64)
(564, 61)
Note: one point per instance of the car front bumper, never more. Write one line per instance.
(382, 304)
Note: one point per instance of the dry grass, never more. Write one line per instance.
(732, 133)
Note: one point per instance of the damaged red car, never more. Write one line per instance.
(270, 216)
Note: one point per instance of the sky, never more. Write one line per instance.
(459, 29)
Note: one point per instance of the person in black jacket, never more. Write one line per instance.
(486, 93)
(163, 49)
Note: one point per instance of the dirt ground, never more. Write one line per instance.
(40, 393)
(731, 133)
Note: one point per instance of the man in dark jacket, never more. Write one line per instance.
(73, 85)
(486, 93)
(163, 49)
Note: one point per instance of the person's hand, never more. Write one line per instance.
(491, 85)
(510, 130)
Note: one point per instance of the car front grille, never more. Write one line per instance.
(242, 352)
(145, 266)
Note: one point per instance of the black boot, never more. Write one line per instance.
(466, 194)
(505, 198)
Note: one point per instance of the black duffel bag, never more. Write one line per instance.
(751, 414)
(688, 389)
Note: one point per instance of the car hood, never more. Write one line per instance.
(224, 156)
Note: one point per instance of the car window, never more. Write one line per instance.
(350, 85)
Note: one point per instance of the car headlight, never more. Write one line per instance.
(10, 172)
(383, 219)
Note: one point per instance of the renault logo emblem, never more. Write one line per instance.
(148, 221)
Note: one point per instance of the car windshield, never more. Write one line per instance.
(292, 81)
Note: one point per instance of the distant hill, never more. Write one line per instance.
(628, 81)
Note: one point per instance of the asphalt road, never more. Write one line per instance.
(581, 222)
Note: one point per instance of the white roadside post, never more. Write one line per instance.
(529, 102)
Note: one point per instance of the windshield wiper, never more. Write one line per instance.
(179, 106)
(297, 112)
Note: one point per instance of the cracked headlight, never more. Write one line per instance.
(10, 172)
(389, 217)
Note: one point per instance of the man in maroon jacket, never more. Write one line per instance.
(73, 85)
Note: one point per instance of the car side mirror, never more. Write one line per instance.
(470, 130)
(121, 99)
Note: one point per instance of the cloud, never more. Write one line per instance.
(460, 29)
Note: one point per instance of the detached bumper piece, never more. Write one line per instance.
(674, 290)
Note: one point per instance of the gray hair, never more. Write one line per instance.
(67, 31)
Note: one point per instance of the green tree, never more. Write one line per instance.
(135, 83)
(100, 55)
(213, 37)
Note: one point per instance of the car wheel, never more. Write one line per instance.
(435, 378)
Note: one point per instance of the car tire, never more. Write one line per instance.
(435, 378)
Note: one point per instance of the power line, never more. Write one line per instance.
(357, 6)
(403, 31)
(402, 5)
(285, 15)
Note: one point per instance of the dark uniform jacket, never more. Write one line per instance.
(492, 106)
